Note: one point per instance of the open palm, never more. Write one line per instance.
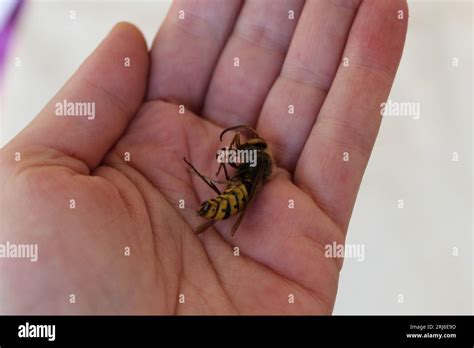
(103, 198)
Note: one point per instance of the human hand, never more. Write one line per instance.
(121, 203)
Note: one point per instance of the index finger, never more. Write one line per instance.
(186, 49)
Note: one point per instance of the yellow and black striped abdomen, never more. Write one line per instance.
(229, 203)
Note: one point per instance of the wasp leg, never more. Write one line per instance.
(236, 144)
(216, 181)
(207, 180)
(235, 141)
(222, 165)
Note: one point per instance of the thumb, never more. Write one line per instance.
(106, 90)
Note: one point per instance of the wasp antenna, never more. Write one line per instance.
(242, 126)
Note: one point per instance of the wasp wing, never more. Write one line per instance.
(255, 188)
(203, 227)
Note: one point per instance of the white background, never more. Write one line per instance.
(408, 251)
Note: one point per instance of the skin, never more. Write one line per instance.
(134, 203)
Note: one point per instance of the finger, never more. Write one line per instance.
(187, 47)
(294, 101)
(251, 61)
(93, 108)
(335, 155)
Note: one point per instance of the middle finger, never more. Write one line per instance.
(251, 61)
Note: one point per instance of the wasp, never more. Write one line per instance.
(242, 186)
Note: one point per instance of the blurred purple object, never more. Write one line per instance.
(10, 10)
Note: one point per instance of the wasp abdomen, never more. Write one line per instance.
(231, 202)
